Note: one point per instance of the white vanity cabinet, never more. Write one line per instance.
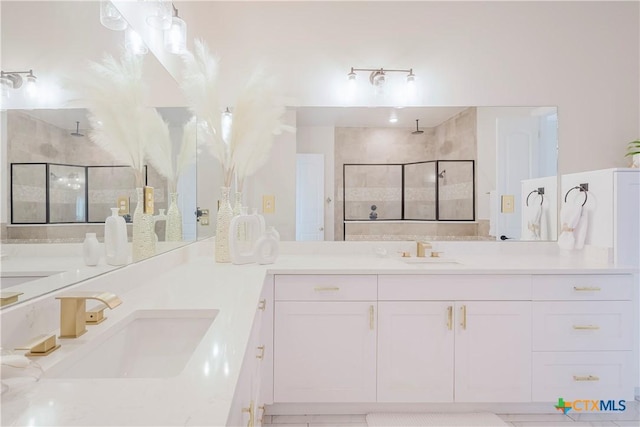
(255, 385)
(428, 348)
(583, 337)
(325, 338)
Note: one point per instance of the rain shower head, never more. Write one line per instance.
(77, 132)
(417, 131)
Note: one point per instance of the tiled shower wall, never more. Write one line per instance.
(31, 140)
(454, 139)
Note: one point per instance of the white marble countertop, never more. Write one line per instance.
(203, 392)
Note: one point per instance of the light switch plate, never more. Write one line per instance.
(268, 204)
(148, 200)
(508, 204)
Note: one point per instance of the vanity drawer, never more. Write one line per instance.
(454, 287)
(583, 287)
(329, 287)
(582, 375)
(582, 326)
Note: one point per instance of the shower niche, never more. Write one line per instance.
(436, 190)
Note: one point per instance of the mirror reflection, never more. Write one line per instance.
(440, 173)
(63, 185)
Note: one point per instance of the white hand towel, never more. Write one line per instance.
(532, 214)
(581, 229)
(544, 223)
(569, 218)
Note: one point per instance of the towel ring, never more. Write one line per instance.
(537, 192)
(577, 187)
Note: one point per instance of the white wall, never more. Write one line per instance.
(278, 178)
(320, 140)
(582, 57)
(4, 172)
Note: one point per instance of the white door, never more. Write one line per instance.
(493, 351)
(325, 352)
(310, 197)
(517, 159)
(415, 351)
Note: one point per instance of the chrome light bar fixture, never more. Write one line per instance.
(378, 75)
(15, 80)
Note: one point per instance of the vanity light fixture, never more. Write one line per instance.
(377, 76)
(110, 17)
(14, 80)
(159, 15)
(175, 37)
(133, 42)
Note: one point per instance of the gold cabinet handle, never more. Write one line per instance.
(249, 411)
(326, 288)
(371, 317)
(463, 313)
(260, 354)
(587, 378)
(586, 327)
(262, 305)
(262, 411)
(450, 317)
(586, 288)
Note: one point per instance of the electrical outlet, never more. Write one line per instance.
(268, 204)
(123, 205)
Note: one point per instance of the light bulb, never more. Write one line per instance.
(159, 15)
(227, 120)
(110, 17)
(133, 42)
(411, 84)
(31, 87)
(175, 38)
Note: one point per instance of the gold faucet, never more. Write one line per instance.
(73, 310)
(421, 248)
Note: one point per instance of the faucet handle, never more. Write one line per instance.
(95, 315)
(421, 248)
(40, 345)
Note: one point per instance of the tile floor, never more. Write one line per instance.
(629, 418)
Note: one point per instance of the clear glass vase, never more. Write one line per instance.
(143, 239)
(225, 213)
(174, 220)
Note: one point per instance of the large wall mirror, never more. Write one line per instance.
(442, 173)
(57, 185)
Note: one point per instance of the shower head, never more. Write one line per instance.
(441, 174)
(417, 131)
(77, 132)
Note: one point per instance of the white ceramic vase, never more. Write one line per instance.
(174, 220)
(143, 238)
(115, 239)
(635, 161)
(223, 220)
(91, 249)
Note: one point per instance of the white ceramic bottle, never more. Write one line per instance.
(91, 249)
(267, 247)
(241, 243)
(115, 239)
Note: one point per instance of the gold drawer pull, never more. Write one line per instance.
(263, 304)
(249, 411)
(586, 288)
(371, 317)
(450, 317)
(586, 327)
(326, 288)
(463, 312)
(587, 378)
(261, 352)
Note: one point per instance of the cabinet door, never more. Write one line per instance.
(415, 351)
(325, 352)
(493, 351)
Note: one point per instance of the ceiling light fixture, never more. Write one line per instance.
(14, 80)
(175, 37)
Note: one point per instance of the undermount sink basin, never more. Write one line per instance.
(146, 344)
